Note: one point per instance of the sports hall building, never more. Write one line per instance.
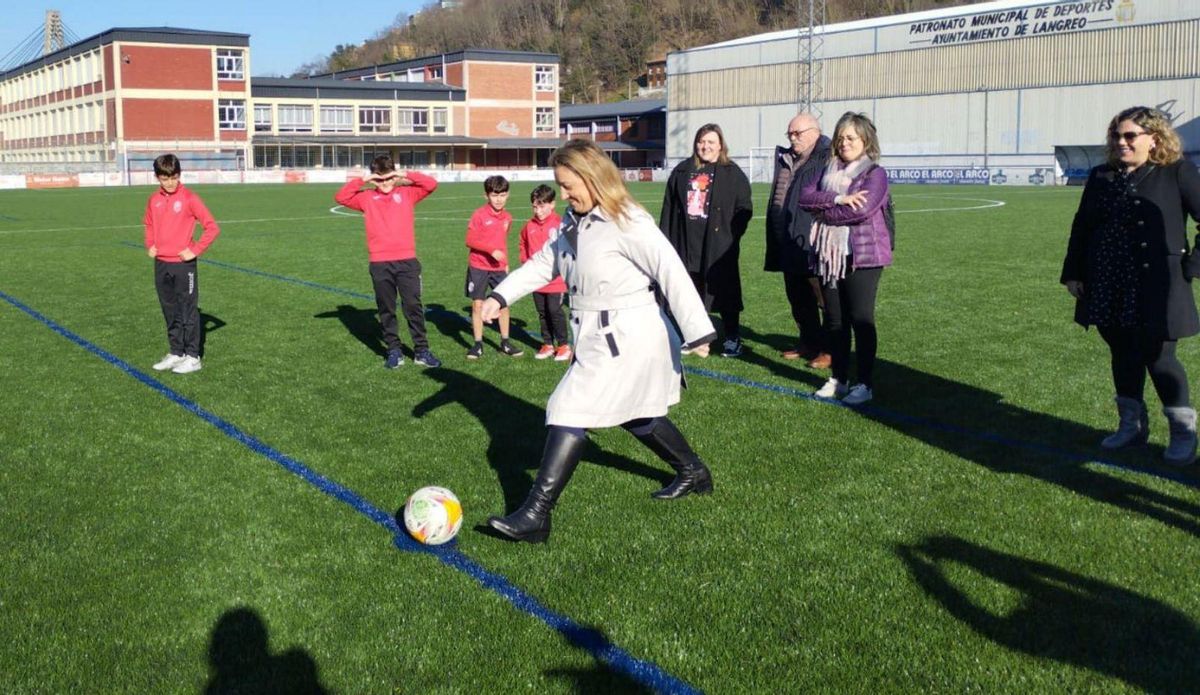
(1010, 91)
(111, 102)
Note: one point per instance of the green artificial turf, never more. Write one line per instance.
(951, 537)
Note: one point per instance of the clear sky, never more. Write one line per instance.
(283, 34)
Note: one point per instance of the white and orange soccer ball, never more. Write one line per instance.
(433, 515)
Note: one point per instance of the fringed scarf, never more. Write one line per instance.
(830, 243)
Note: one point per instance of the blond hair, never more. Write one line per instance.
(1167, 147)
(587, 161)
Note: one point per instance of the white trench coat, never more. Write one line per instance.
(626, 363)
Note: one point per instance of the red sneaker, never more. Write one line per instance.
(543, 352)
(563, 353)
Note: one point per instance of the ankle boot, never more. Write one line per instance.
(1133, 427)
(1181, 450)
(531, 521)
(691, 475)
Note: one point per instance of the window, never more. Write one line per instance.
(416, 75)
(435, 74)
(544, 119)
(262, 118)
(337, 119)
(229, 64)
(374, 119)
(231, 114)
(412, 121)
(543, 78)
(441, 119)
(294, 118)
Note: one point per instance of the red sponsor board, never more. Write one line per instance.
(51, 180)
(295, 177)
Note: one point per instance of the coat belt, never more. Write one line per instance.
(606, 302)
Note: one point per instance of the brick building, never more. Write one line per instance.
(126, 91)
(632, 132)
(510, 106)
(125, 95)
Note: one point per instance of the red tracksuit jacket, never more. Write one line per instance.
(170, 223)
(486, 232)
(389, 218)
(534, 236)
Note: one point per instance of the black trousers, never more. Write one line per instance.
(404, 278)
(1134, 354)
(550, 314)
(178, 287)
(850, 305)
(802, 296)
(730, 318)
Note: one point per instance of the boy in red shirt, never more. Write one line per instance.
(388, 212)
(487, 264)
(170, 221)
(539, 230)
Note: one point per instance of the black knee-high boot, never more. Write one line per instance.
(664, 439)
(531, 521)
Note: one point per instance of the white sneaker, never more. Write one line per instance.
(168, 362)
(832, 389)
(187, 366)
(859, 394)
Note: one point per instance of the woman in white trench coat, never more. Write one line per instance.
(626, 370)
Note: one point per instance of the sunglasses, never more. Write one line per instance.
(797, 133)
(1128, 136)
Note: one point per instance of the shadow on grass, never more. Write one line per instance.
(980, 426)
(600, 679)
(208, 324)
(456, 325)
(1061, 615)
(516, 432)
(240, 660)
(362, 324)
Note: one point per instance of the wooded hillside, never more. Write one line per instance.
(603, 44)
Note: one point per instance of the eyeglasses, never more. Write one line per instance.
(1128, 136)
(794, 134)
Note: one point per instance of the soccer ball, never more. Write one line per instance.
(433, 515)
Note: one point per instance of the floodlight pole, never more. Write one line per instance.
(810, 14)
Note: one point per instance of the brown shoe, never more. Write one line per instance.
(821, 361)
(791, 354)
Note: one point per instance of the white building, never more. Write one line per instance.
(1014, 91)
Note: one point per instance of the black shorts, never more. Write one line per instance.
(479, 281)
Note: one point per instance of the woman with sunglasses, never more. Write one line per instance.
(1129, 270)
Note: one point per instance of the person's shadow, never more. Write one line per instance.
(980, 426)
(516, 433)
(241, 663)
(208, 324)
(363, 324)
(1062, 615)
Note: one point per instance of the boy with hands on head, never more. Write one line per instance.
(388, 212)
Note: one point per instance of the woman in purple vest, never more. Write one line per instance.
(850, 247)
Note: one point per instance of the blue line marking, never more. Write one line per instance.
(886, 414)
(590, 640)
(881, 413)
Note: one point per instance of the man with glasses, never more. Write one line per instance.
(787, 234)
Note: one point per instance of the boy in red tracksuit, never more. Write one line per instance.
(487, 264)
(170, 221)
(548, 300)
(388, 211)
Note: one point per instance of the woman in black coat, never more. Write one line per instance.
(705, 211)
(1129, 269)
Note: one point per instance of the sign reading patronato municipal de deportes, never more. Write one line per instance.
(1035, 20)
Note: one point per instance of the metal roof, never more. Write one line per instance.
(486, 54)
(635, 107)
(327, 88)
(134, 34)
